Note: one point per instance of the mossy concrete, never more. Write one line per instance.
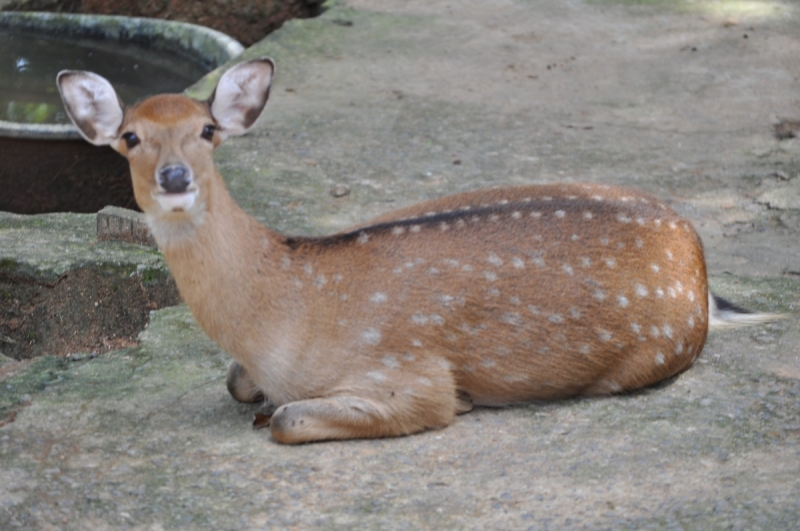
(412, 100)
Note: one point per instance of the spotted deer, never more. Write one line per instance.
(490, 297)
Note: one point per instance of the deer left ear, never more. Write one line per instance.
(241, 95)
(92, 105)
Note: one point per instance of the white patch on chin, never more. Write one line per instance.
(176, 202)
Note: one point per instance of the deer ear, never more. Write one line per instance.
(241, 96)
(92, 105)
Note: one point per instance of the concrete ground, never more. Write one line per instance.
(380, 104)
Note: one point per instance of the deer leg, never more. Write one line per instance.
(350, 417)
(241, 385)
(387, 407)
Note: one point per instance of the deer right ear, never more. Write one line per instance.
(241, 95)
(92, 105)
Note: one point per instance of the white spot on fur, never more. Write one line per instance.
(691, 296)
(419, 319)
(491, 276)
(494, 218)
(320, 281)
(416, 343)
(467, 268)
(409, 357)
(622, 218)
(308, 269)
(604, 241)
(604, 335)
(690, 321)
(636, 328)
(655, 268)
(378, 376)
(568, 269)
(536, 214)
(495, 260)
(622, 300)
(574, 313)
(586, 261)
(433, 271)
(533, 309)
(512, 318)
(679, 348)
(587, 215)
(599, 295)
(671, 292)
(397, 231)
(424, 381)
(390, 361)
(539, 261)
(518, 263)
(337, 278)
(659, 293)
(444, 226)
(363, 238)
(560, 214)
(641, 291)
(514, 301)
(556, 318)
(659, 358)
(585, 349)
(667, 330)
(639, 243)
(415, 228)
(378, 298)
(654, 331)
(516, 215)
(286, 263)
(371, 336)
(610, 262)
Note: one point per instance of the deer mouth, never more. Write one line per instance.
(176, 202)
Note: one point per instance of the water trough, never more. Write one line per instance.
(45, 166)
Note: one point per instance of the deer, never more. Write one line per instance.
(490, 298)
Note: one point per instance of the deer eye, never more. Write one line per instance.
(208, 132)
(131, 140)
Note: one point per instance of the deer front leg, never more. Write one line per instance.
(241, 385)
(373, 405)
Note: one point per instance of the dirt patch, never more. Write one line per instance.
(247, 22)
(62, 176)
(86, 310)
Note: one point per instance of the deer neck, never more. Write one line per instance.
(226, 267)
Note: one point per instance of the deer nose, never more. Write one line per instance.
(174, 179)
